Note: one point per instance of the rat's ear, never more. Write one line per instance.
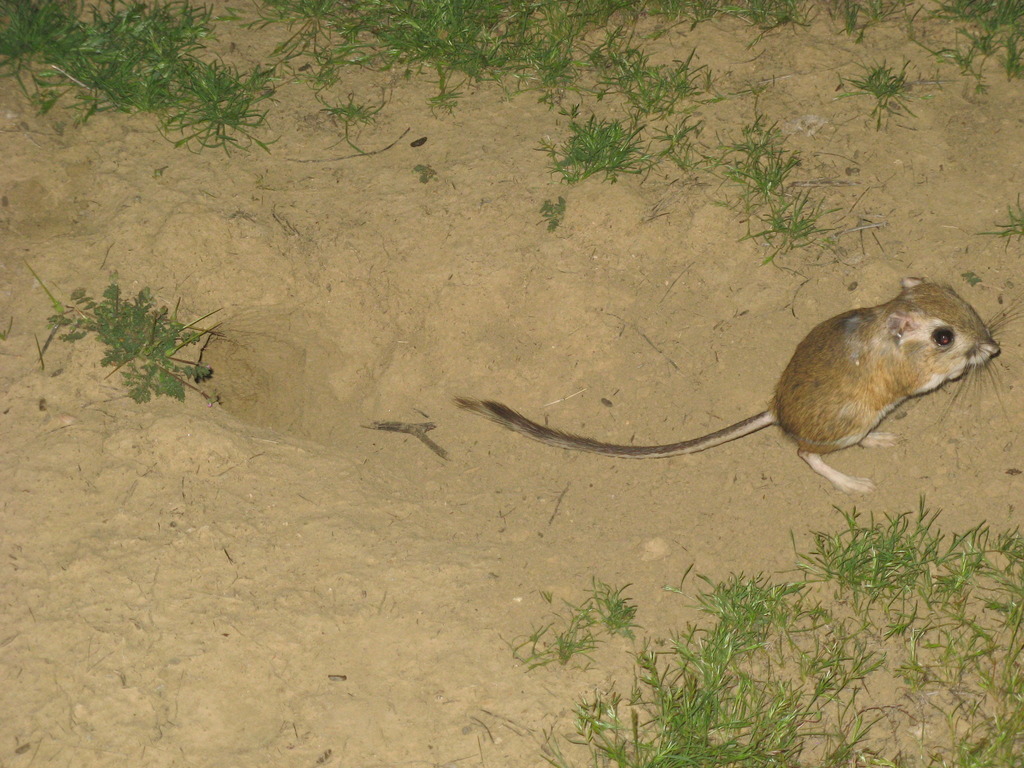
(899, 323)
(911, 282)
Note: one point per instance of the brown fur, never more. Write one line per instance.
(852, 369)
(844, 377)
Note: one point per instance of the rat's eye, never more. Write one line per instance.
(943, 336)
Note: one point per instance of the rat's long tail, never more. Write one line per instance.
(502, 414)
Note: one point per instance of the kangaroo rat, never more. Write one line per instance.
(844, 378)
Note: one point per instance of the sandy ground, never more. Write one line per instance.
(267, 582)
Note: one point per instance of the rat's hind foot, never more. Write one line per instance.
(843, 482)
(880, 440)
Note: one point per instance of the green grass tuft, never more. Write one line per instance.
(133, 57)
(1014, 227)
(902, 646)
(575, 632)
(154, 57)
(608, 147)
(888, 88)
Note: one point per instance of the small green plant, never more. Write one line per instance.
(902, 646)
(971, 278)
(650, 90)
(888, 87)
(425, 173)
(754, 687)
(679, 140)
(616, 611)
(766, 14)
(217, 106)
(1015, 226)
(313, 22)
(353, 113)
(857, 15)
(133, 57)
(552, 211)
(1013, 55)
(141, 341)
(760, 165)
(791, 221)
(6, 333)
(965, 56)
(574, 637)
(984, 30)
(598, 146)
(769, 14)
(575, 633)
(758, 162)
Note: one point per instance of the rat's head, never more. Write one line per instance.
(940, 334)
